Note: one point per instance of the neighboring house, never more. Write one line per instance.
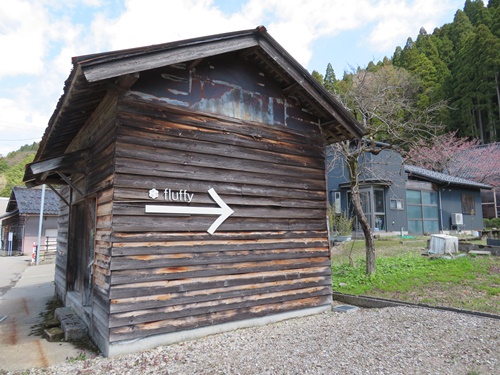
(195, 189)
(400, 198)
(481, 164)
(20, 225)
(430, 194)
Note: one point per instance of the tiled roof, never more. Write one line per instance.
(442, 178)
(28, 201)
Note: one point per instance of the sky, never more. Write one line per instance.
(39, 37)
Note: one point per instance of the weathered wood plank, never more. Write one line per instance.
(119, 237)
(197, 224)
(172, 273)
(146, 182)
(139, 289)
(226, 163)
(158, 248)
(175, 325)
(211, 258)
(137, 209)
(236, 174)
(159, 138)
(207, 307)
(131, 195)
(242, 132)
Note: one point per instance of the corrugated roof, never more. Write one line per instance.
(28, 201)
(442, 178)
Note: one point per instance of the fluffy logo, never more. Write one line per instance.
(153, 193)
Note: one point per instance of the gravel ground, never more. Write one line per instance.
(397, 340)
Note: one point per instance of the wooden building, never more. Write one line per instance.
(196, 196)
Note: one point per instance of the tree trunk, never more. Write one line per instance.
(480, 125)
(498, 92)
(358, 210)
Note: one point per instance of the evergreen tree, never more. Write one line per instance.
(477, 13)
(318, 77)
(330, 81)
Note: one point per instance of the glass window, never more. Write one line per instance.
(379, 200)
(431, 226)
(430, 212)
(413, 197)
(415, 226)
(414, 212)
(379, 222)
(429, 197)
(365, 202)
(396, 204)
(423, 211)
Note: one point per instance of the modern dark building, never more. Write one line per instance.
(399, 198)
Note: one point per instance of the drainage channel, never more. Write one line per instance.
(374, 302)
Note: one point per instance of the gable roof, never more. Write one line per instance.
(441, 178)
(28, 201)
(93, 75)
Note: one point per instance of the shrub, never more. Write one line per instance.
(491, 223)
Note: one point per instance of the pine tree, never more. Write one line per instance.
(330, 81)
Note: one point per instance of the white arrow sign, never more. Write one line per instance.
(223, 210)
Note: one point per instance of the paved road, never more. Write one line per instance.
(25, 290)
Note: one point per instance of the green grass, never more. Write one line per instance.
(402, 273)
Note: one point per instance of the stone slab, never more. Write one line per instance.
(74, 328)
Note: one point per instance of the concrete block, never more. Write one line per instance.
(51, 323)
(54, 334)
(480, 252)
(74, 328)
(443, 244)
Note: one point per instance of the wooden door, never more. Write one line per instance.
(81, 249)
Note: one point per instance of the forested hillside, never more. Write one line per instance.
(456, 68)
(12, 167)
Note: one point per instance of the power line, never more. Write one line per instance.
(19, 140)
(17, 124)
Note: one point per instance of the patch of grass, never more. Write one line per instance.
(47, 314)
(82, 356)
(471, 283)
(86, 346)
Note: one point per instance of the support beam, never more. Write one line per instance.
(58, 194)
(70, 183)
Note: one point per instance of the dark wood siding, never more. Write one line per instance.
(62, 244)
(167, 273)
(98, 136)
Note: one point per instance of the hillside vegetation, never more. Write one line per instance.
(12, 167)
(455, 69)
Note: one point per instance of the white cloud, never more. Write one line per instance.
(38, 38)
(170, 21)
(397, 20)
(22, 37)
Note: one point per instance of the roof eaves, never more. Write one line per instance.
(8, 215)
(113, 64)
(313, 88)
(442, 178)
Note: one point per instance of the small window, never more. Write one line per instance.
(468, 204)
(396, 204)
